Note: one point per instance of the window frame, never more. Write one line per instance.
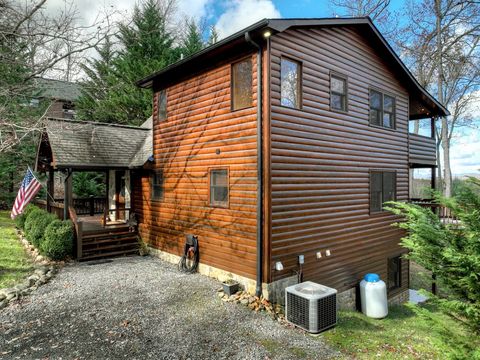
(381, 171)
(383, 93)
(162, 116)
(299, 82)
(398, 275)
(153, 175)
(232, 84)
(217, 204)
(338, 76)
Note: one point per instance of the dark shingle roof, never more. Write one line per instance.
(85, 144)
(57, 89)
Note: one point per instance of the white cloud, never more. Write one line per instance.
(242, 13)
(465, 153)
(197, 9)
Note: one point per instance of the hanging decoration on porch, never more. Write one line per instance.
(29, 188)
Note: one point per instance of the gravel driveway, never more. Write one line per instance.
(142, 308)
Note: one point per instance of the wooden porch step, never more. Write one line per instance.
(132, 239)
(96, 234)
(102, 249)
(109, 254)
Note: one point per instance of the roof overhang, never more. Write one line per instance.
(236, 44)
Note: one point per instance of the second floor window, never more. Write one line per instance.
(338, 92)
(290, 83)
(382, 189)
(382, 109)
(242, 84)
(162, 105)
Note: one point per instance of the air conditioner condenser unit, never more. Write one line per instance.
(311, 306)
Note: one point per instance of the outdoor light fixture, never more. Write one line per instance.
(278, 266)
(267, 33)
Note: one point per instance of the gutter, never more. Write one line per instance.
(258, 289)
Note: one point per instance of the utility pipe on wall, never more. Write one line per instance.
(258, 290)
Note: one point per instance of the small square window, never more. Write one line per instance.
(156, 181)
(162, 105)
(241, 78)
(290, 78)
(338, 93)
(394, 280)
(219, 187)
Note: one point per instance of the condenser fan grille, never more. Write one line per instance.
(327, 312)
(298, 311)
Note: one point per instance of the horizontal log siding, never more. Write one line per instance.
(320, 160)
(200, 122)
(422, 150)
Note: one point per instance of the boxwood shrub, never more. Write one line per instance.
(20, 219)
(57, 242)
(35, 225)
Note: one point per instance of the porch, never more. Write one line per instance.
(104, 226)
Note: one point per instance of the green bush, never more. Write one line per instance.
(58, 240)
(20, 219)
(30, 217)
(35, 225)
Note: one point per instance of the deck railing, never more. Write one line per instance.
(87, 206)
(55, 207)
(444, 213)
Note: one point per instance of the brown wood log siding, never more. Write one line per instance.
(320, 160)
(422, 150)
(200, 121)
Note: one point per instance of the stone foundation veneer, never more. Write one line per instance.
(275, 291)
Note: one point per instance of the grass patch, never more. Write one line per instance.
(14, 262)
(409, 332)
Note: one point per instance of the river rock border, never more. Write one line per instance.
(44, 271)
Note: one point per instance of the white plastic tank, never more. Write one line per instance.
(373, 295)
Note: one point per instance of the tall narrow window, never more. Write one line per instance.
(162, 105)
(156, 182)
(219, 187)
(382, 189)
(382, 109)
(241, 77)
(290, 74)
(394, 280)
(338, 92)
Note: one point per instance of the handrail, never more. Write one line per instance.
(443, 212)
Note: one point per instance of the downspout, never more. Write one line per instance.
(258, 290)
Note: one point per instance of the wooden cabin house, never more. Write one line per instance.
(282, 142)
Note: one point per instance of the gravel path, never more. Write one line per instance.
(142, 308)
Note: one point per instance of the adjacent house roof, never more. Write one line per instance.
(237, 43)
(91, 145)
(57, 89)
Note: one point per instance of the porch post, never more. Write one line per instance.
(67, 193)
(50, 189)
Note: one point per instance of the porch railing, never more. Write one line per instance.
(55, 207)
(87, 206)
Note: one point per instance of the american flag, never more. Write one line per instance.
(29, 188)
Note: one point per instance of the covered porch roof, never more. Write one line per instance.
(85, 145)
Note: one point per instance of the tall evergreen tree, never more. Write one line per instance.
(146, 46)
(192, 41)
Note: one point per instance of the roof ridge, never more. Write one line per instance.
(97, 123)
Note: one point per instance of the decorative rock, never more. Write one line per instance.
(244, 301)
(39, 258)
(3, 304)
(10, 296)
(220, 294)
(2, 296)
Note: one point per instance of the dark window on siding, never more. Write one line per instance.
(156, 182)
(382, 109)
(290, 74)
(338, 92)
(219, 187)
(162, 105)
(242, 84)
(382, 189)
(394, 280)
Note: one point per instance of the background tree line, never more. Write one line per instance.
(108, 56)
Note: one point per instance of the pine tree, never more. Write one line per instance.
(213, 35)
(450, 251)
(146, 46)
(192, 42)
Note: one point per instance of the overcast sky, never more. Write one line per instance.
(230, 16)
